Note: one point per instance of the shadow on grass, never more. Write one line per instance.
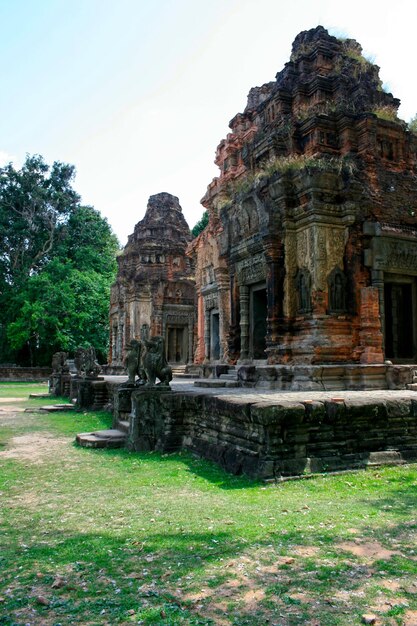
(205, 469)
(398, 495)
(114, 574)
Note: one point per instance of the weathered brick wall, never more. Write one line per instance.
(27, 374)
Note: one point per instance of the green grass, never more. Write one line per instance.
(112, 537)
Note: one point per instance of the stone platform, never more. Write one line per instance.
(274, 435)
(332, 377)
(269, 434)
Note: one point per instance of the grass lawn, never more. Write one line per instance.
(99, 537)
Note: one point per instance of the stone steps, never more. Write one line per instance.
(122, 425)
(39, 395)
(52, 408)
(212, 383)
(227, 379)
(112, 438)
(182, 375)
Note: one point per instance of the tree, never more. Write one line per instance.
(56, 266)
(60, 308)
(33, 202)
(201, 224)
(412, 124)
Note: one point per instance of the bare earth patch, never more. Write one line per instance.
(33, 447)
(8, 411)
(410, 618)
(369, 550)
(306, 551)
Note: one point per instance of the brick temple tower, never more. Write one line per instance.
(310, 255)
(154, 289)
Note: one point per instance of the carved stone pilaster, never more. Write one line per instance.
(275, 274)
(207, 334)
(378, 282)
(222, 280)
(244, 322)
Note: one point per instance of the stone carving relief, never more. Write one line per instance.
(208, 275)
(395, 255)
(319, 249)
(251, 270)
(290, 246)
(303, 286)
(180, 319)
(337, 284)
(302, 247)
(211, 301)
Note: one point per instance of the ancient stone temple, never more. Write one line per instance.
(310, 255)
(154, 291)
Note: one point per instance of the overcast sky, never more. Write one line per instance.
(137, 94)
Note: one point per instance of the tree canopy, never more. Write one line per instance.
(57, 261)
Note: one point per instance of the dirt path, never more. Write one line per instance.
(35, 446)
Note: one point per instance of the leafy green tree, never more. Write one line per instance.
(201, 224)
(412, 124)
(33, 202)
(56, 265)
(59, 309)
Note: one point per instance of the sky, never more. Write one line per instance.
(137, 94)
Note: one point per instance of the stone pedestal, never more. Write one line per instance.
(122, 402)
(59, 384)
(150, 420)
(91, 393)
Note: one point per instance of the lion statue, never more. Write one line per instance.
(133, 361)
(154, 362)
(86, 363)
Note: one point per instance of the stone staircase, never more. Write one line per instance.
(228, 379)
(413, 385)
(111, 438)
(180, 371)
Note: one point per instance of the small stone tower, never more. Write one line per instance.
(154, 289)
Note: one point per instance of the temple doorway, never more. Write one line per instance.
(176, 347)
(214, 335)
(400, 336)
(258, 327)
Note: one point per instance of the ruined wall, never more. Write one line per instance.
(26, 374)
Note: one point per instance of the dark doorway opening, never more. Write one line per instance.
(259, 313)
(175, 345)
(399, 327)
(214, 336)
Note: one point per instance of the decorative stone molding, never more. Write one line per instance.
(251, 270)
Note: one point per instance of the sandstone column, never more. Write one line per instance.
(274, 289)
(222, 280)
(206, 334)
(378, 282)
(244, 322)
(190, 341)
